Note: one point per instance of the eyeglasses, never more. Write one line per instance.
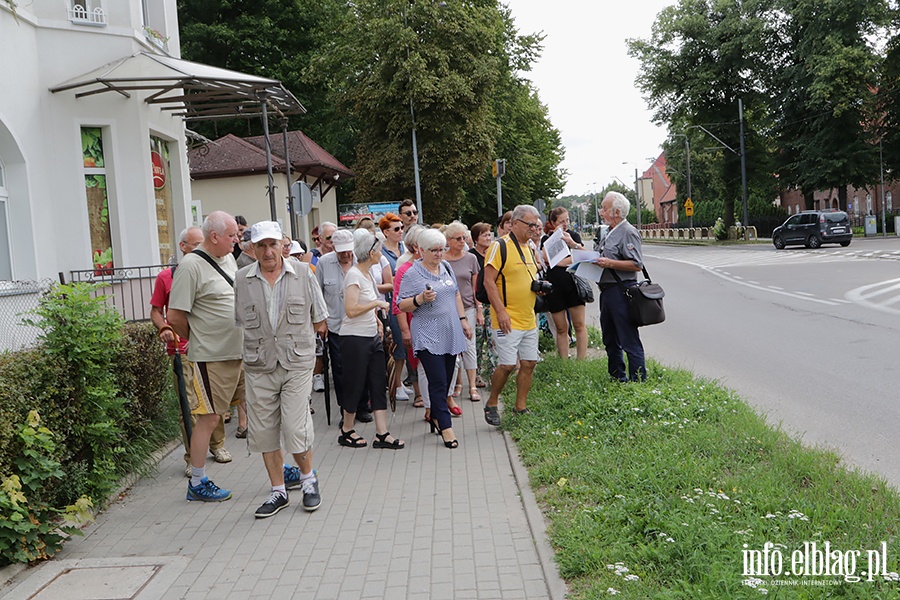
(285, 245)
(372, 249)
(530, 225)
(397, 228)
(410, 213)
(460, 238)
(328, 239)
(435, 250)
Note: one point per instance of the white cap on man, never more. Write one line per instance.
(265, 230)
(342, 240)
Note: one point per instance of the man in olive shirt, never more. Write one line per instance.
(201, 309)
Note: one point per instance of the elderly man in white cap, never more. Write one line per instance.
(280, 307)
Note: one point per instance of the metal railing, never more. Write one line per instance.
(126, 289)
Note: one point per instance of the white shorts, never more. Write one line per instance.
(517, 344)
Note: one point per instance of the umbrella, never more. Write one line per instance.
(327, 386)
(182, 392)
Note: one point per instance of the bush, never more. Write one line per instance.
(102, 388)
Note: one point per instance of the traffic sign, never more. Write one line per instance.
(689, 208)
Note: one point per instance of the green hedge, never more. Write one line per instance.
(101, 389)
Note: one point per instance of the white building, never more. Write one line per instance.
(93, 157)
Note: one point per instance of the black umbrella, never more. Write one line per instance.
(182, 392)
(325, 377)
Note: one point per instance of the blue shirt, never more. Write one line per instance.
(435, 326)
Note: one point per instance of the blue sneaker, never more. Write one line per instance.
(291, 477)
(207, 491)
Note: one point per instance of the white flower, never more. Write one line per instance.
(631, 577)
(612, 591)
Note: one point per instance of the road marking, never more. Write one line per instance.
(797, 295)
(863, 295)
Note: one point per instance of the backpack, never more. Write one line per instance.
(480, 292)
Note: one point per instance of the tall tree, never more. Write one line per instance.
(269, 38)
(702, 56)
(826, 94)
(888, 97)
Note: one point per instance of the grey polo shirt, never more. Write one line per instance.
(623, 242)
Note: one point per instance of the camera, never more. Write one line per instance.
(539, 286)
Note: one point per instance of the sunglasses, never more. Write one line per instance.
(461, 238)
(410, 213)
(328, 239)
(397, 228)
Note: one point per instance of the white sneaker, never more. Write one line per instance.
(318, 383)
(222, 455)
(401, 393)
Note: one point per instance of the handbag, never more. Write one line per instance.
(583, 286)
(645, 301)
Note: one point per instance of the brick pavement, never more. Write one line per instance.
(421, 523)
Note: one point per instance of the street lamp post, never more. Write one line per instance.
(687, 160)
(637, 193)
(415, 146)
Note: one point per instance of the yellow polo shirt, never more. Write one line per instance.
(519, 297)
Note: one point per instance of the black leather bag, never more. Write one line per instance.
(585, 290)
(645, 301)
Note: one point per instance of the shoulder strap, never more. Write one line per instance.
(619, 279)
(214, 265)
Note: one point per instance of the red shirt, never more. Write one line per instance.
(160, 299)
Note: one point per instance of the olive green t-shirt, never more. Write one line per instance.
(199, 290)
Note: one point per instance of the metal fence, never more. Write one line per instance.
(17, 300)
(127, 289)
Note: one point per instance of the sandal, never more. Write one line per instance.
(419, 402)
(346, 439)
(381, 442)
(457, 390)
(240, 433)
(474, 396)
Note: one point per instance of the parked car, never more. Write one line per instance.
(812, 228)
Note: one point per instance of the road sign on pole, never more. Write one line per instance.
(688, 208)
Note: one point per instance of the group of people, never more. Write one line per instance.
(438, 303)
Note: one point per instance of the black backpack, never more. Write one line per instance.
(480, 292)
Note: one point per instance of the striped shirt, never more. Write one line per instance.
(436, 327)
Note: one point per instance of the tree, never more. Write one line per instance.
(704, 55)
(888, 98)
(825, 92)
(269, 38)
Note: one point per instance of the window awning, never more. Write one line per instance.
(190, 90)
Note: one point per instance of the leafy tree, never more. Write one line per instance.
(702, 56)
(825, 94)
(888, 98)
(269, 38)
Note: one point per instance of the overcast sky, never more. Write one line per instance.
(586, 79)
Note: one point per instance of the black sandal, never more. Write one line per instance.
(381, 442)
(346, 439)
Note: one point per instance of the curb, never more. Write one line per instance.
(556, 587)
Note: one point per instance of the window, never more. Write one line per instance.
(97, 199)
(856, 205)
(87, 12)
(888, 200)
(868, 204)
(5, 249)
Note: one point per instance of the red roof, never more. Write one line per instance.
(231, 155)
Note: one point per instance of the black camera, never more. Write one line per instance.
(539, 286)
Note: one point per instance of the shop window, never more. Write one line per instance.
(162, 193)
(97, 199)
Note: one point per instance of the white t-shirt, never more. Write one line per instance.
(377, 273)
(364, 325)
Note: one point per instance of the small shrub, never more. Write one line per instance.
(29, 527)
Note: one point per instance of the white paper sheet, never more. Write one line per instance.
(556, 248)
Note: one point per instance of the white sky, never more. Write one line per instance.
(586, 79)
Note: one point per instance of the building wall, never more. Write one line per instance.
(40, 137)
(793, 202)
(248, 195)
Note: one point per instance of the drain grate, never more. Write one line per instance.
(98, 583)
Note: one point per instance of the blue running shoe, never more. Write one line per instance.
(292, 477)
(207, 491)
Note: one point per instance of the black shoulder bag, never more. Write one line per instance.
(645, 302)
(214, 264)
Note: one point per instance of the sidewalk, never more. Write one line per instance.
(421, 523)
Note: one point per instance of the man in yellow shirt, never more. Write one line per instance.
(509, 287)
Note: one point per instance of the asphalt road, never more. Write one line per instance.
(810, 338)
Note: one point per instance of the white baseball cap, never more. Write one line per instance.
(265, 230)
(342, 240)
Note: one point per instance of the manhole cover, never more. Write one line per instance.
(98, 583)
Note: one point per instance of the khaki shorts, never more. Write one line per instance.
(278, 409)
(517, 344)
(214, 386)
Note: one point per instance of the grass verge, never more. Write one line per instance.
(659, 490)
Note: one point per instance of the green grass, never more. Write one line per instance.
(672, 477)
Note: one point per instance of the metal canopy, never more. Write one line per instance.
(190, 90)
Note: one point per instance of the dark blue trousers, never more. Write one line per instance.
(440, 369)
(620, 336)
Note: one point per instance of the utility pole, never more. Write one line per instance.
(743, 167)
(499, 170)
(637, 197)
(687, 155)
(881, 163)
